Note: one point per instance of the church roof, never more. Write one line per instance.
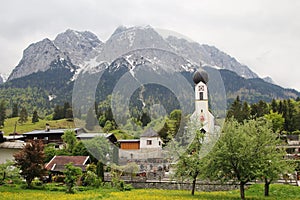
(150, 133)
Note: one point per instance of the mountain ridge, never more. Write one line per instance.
(83, 46)
(53, 67)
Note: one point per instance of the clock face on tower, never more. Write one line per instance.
(202, 118)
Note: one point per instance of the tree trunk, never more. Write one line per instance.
(242, 190)
(267, 187)
(194, 186)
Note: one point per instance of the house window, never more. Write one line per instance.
(159, 143)
(201, 95)
(34, 138)
(46, 138)
(149, 142)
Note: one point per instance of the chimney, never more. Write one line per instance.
(47, 127)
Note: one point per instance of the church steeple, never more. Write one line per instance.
(202, 113)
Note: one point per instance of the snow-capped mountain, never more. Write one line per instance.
(79, 46)
(124, 40)
(137, 51)
(85, 50)
(208, 55)
(74, 46)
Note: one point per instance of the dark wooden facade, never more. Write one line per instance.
(49, 136)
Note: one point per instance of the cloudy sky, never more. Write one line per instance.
(263, 34)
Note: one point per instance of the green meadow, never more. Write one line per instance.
(50, 191)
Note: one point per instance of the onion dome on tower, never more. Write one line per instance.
(200, 76)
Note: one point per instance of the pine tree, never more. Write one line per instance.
(2, 112)
(15, 110)
(245, 112)
(58, 112)
(145, 119)
(35, 117)
(69, 114)
(23, 116)
(274, 106)
(259, 109)
(66, 107)
(235, 110)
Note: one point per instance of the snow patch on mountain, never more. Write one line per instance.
(80, 46)
(88, 53)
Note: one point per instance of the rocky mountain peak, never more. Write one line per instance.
(268, 79)
(208, 55)
(84, 49)
(80, 46)
(37, 57)
(124, 40)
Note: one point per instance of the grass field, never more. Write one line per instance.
(277, 191)
(29, 126)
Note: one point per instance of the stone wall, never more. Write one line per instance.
(183, 186)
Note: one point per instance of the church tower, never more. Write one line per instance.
(202, 113)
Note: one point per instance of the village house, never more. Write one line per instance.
(57, 164)
(50, 135)
(146, 152)
(8, 149)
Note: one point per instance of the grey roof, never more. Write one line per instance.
(92, 135)
(86, 136)
(150, 133)
(51, 131)
(12, 145)
(14, 137)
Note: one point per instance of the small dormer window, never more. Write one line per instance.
(149, 142)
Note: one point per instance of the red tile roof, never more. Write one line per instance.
(57, 163)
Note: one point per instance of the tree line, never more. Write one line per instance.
(284, 113)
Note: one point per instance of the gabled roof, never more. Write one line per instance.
(51, 131)
(110, 136)
(150, 133)
(57, 163)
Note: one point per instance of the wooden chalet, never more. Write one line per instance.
(49, 135)
(57, 163)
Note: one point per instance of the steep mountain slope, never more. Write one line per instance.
(37, 57)
(80, 46)
(209, 55)
(125, 39)
(139, 53)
